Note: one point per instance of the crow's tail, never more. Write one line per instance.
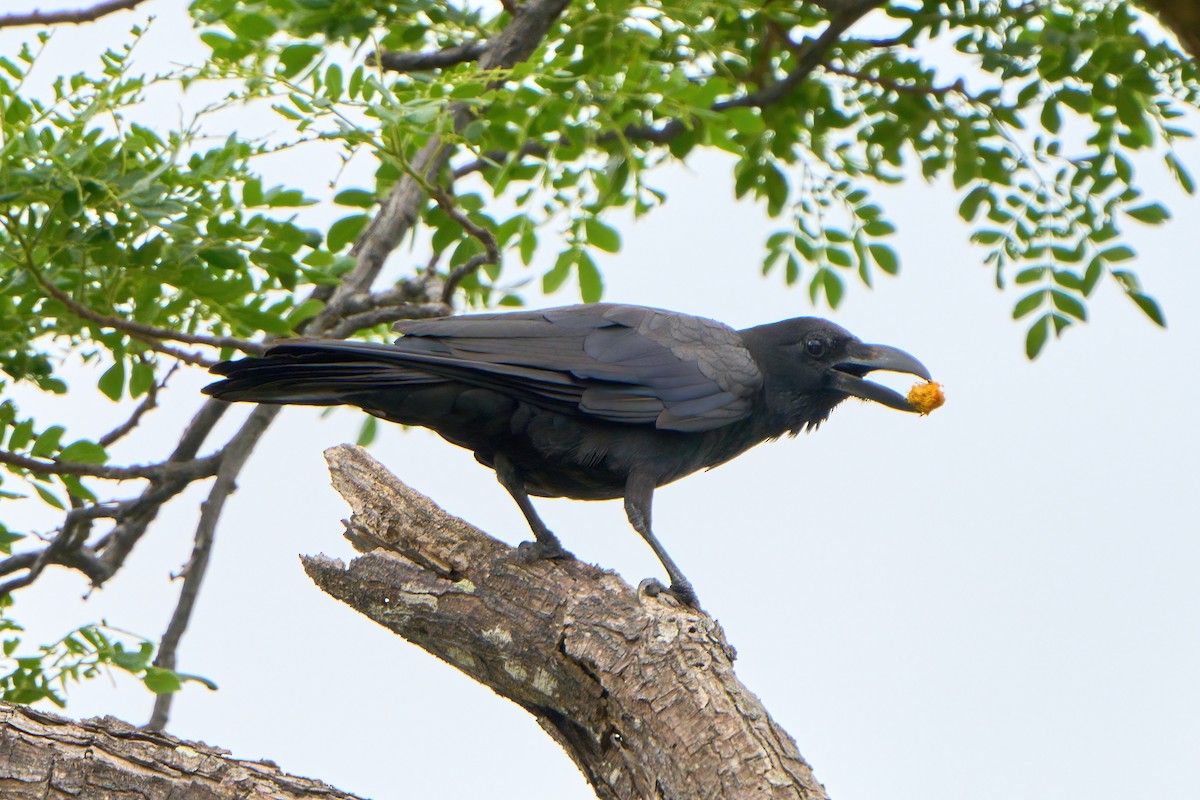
(315, 373)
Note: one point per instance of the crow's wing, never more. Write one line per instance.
(612, 362)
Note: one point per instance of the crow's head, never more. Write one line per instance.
(810, 365)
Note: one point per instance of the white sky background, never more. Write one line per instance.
(999, 598)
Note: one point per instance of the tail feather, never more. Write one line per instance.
(314, 373)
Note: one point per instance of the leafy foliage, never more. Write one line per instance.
(87, 652)
(1034, 117)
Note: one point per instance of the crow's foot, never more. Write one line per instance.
(528, 552)
(682, 591)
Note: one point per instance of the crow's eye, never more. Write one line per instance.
(815, 348)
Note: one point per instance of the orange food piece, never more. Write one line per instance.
(925, 397)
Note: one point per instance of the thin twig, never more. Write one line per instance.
(959, 86)
(146, 331)
(490, 254)
(74, 17)
(149, 402)
(233, 458)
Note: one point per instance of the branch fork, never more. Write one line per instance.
(638, 690)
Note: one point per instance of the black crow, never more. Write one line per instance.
(592, 402)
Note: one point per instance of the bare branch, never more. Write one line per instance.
(417, 62)
(48, 756)
(233, 458)
(195, 469)
(490, 254)
(73, 17)
(388, 314)
(147, 332)
(809, 56)
(638, 690)
(149, 402)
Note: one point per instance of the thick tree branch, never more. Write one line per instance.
(189, 470)
(436, 59)
(1182, 17)
(638, 690)
(48, 757)
(75, 17)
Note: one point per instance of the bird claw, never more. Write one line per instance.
(681, 592)
(528, 552)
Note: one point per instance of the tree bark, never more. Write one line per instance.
(46, 757)
(1181, 17)
(638, 690)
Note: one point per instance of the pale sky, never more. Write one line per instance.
(1000, 597)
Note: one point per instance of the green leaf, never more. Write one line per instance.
(47, 442)
(130, 661)
(295, 58)
(834, 289)
(601, 236)
(969, 207)
(1116, 254)
(1151, 214)
(345, 231)
(558, 275)
(357, 198)
(368, 431)
(1068, 305)
(591, 284)
(885, 257)
(161, 681)
(226, 258)
(84, 452)
(49, 497)
(112, 382)
(1035, 339)
(1149, 307)
(1028, 303)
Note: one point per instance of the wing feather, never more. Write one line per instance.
(614, 362)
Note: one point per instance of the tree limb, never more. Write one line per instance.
(1182, 17)
(436, 59)
(75, 17)
(232, 460)
(192, 470)
(638, 690)
(148, 333)
(48, 757)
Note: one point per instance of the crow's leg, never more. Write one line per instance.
(545, 544)
(639, 493)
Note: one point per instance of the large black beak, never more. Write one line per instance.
(847, 374)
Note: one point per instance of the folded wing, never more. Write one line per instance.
(616, 363)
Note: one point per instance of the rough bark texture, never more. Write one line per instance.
(638, 690)
(1181, 17)
(46, 757)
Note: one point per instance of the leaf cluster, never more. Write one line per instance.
(85, 653)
